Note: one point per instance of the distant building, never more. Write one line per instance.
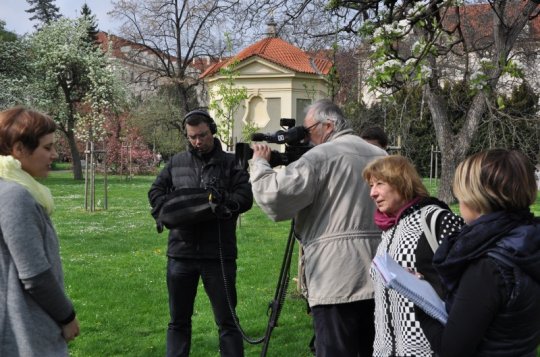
(136, 63)
(281, 81)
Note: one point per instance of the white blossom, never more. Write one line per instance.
(425, 71)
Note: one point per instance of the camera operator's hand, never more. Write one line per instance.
(261, 150)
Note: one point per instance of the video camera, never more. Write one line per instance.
(292, 136)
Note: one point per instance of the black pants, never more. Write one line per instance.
(182, 280)
(344, 330)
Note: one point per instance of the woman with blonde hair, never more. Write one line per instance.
(413, 224)
(491, 269)
(36, 316)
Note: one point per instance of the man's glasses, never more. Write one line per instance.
(308, 129)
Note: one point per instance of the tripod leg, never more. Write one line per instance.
(281, 291)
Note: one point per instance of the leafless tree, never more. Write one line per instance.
(307, 24)
(176, 33)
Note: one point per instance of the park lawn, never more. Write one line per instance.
(114, 262)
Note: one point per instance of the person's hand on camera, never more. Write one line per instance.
(261, 150)
(71, 330)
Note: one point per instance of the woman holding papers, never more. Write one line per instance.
(491, 269)
(413, 224)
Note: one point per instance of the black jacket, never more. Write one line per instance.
(190, 169)
(491, 271)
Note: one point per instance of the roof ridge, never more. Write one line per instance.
(280, 52)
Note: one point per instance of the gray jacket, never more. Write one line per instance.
(29, 250)
(325, 192)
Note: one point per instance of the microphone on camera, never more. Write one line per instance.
(293, 135)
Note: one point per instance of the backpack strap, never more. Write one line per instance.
(430, 229)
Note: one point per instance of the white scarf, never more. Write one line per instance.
(11, 170)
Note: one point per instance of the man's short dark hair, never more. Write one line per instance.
(375, 133)
(198, 116)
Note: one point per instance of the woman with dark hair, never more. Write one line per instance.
(413, 224)
(491, 269)
(36, 316)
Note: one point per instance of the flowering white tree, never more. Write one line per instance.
(14, 72)
(225, 101)
(439, 43)
(73, 82)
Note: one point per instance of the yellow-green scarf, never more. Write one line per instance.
(10, 170)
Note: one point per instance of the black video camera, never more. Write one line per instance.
(292, 136)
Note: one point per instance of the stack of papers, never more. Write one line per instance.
(420, 292)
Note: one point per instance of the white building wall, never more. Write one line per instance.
(273, 93)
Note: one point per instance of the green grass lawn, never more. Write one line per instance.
(114, 264)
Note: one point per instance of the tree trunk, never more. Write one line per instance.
(76, 158)
(449, 163)
(453, 147)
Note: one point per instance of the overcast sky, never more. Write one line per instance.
(16, 18)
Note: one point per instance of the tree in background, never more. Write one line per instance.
(512, 123)
(74, 83)
(176, 33)
(5, 35)
(126, 148)
(14, 68)
(307, 24)
(153, 118)
(436, 44)
(225, 101)
(44, 11)
(92, 30)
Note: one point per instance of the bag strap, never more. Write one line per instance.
(430, 230)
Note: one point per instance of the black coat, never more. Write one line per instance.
(189, 169)
(491, 271)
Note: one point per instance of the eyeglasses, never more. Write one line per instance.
(308, 129)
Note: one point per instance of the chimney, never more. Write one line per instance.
(271, 30)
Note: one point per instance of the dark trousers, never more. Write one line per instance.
(344, 330)
(182, 280)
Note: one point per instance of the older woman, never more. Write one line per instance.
(491, 269)
(413, 224)
(36, 316)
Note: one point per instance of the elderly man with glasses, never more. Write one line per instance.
(325, 193)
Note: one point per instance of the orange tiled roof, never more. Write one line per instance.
(280, 52)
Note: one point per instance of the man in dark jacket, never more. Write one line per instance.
(196, 250)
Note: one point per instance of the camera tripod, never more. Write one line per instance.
(275, 306)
